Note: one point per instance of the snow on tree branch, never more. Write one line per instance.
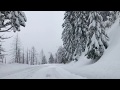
(12, 20)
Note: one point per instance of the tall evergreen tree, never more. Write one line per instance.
(51, 59)
(80, 33)
(85, 30)
(56, 60)
(61, 58)
(33, 56)
(41, 56)
(74, 33)
(97, 38)
(44, 61)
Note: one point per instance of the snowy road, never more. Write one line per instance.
(40, 72)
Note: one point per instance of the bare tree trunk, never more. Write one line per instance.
(17, 50)
(31, 58)
(27, 57)
(23, 57)
(5, 60)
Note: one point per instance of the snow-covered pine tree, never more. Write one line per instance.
(33, 56)
(44, 61)
(109, 17)
(56, 60)
(61, 58)
(42, 57)
(81, 24)
(12, 20)
(68, 34)
(84, 28)
(51, 59)
(74, 33)
(113, 16)
(97, 38)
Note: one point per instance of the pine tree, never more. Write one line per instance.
(109, 18)
(97, 38)
(33, 56)
(44, 61)
(85, 30)
(61, 55)
(12, 20)
(80, 33)
(74, 33)
(51, 59)
(41, 56)
(68, 34)
(56, 60)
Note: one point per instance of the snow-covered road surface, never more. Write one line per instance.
(39, 72)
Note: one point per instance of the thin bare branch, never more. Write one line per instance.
(8, 30)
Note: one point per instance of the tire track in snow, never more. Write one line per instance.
(54, 72)
(41, 72)
(68, 75)
(24, 71)
(32, 72)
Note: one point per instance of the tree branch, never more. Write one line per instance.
(5, 37)
(7, 29)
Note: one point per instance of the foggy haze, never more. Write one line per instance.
(43, 31)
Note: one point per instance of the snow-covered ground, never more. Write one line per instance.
(48, 71)
(108, 67)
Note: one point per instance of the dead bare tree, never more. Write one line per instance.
(16, 50)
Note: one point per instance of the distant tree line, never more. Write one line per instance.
(30, 56)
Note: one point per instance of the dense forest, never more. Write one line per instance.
(85, 31)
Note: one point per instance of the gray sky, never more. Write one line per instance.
(43, 30)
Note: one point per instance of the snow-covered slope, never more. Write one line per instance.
(108, 67)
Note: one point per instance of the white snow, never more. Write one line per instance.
(48, 71)
(55, 72)
(108, 67)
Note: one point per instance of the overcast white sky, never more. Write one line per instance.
(43, 30)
